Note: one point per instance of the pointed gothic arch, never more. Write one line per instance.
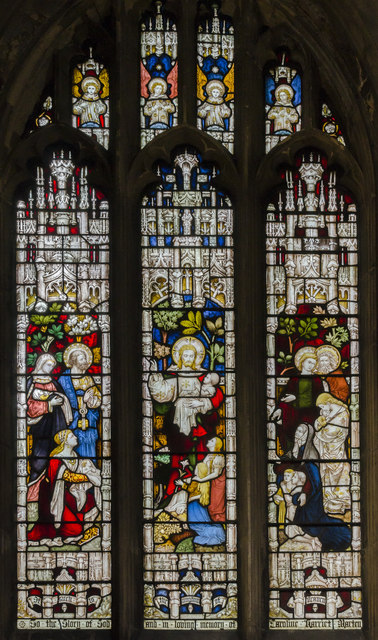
(352, 87)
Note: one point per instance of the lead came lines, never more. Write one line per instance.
(189, 405)
(312, 401)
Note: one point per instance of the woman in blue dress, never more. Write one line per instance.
(333, 533)
(208, 533)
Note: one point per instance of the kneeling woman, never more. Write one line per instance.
(201, 500)
(69, 497)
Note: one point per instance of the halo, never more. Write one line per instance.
(185, 342)
(77, 346)
(156, 81)
(309, 352)
(284, 87)
(90, 80)
(325, 348)
(215, 84)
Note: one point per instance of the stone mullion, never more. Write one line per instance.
(126, 343)
(187, 60)
(250, 329)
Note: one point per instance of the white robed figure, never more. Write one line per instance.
(331, 432)
(192, 392)
(184, 388)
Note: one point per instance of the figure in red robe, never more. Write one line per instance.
(69, 501)
(193, 396)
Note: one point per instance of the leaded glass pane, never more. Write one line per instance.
(283, 101)
(215, 78)
(313, 461)
(90, 99)
(330, 125)
(189, 413)
(158, 74)
(63, 401)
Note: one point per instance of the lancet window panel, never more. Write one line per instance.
(215, 78)
(158, 73)
(313, 438)
(63, 400)
(283, 100)
(90, 99)
(189, 413)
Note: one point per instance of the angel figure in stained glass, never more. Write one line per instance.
(158, 106)
(84, 396)
(283, 113)
(90, 107)
(214, 109)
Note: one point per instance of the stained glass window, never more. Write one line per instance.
(283, 100)
(312, 401)
(90, 99)
(158, 74)
(215, 78)
(63, 400)
(189, 433)
(330, 124)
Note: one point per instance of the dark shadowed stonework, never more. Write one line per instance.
(336, 45)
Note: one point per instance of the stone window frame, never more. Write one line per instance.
(123, 173)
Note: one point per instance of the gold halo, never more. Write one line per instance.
(309, 352)
(286, 88)
(156, 81)
(217, 84)
(90, 80)
(325, 348)
(185, 342)
(77, 346)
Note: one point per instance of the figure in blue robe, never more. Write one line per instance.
(85, 399)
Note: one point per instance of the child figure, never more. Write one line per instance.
(208, 389)
(291, 485)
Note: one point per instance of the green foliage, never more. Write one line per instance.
(337, 336)
(164, 458)
(56, 331)
(166, 319)
(162, 408)
(308, 328)
(344, 364)
(288, 326)
(55, 307)
(216, 352)
(38, 339)
(59, 356)
(284, 358)
(31, 359)
(43, 320)
(185, 546)
(193, 324)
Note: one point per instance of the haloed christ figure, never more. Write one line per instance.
(189, 397)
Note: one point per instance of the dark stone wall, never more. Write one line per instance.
(337, 46)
